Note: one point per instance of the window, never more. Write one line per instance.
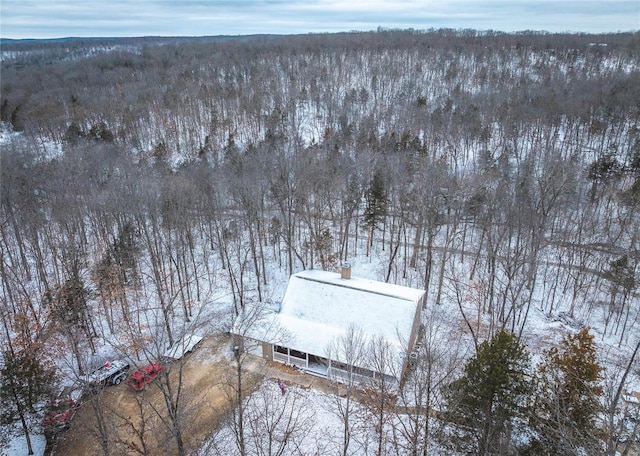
(362, 371)
(313, 359)
(279, 349)
(297, 354)
(340, 366)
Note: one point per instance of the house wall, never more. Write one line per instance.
(267, 351)
(415, 333)
(258, 348)
(417, 321)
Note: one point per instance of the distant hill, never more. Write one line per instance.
(128, 40)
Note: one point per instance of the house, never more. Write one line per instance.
(321, 308)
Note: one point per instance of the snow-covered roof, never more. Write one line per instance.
(184, 345)
(319, 307)
(106, 371)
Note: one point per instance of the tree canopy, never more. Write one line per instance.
(490, 394)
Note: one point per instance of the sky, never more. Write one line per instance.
(132, 18)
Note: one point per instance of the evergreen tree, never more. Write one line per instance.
(25, 380)
(376, 205)
(606, 168)
(71, 314)
(376, 198)
(567, 400)
(490, 394)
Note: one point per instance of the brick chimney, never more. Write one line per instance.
(346, 271)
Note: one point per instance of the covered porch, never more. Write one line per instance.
(326, 368)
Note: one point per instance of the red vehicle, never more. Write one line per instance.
(140, 379)
(60, 415)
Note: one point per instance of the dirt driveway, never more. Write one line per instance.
(133, 420)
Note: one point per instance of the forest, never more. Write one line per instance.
(152, 185)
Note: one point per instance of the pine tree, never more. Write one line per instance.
(376, 199)
(25, 380)
(71, 314)
(564, 414)
(490, 395)
(376, 205)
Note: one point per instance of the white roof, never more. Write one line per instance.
(319, 307)
(106, 370)
(184, 345)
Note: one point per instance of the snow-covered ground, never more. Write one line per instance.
(17, 445)
(319, 412)
(543, 328)
(288, 420)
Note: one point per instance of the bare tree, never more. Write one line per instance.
(278, 421)
(346, 353)
(622, 420)
(439, 356)
(380, 396)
